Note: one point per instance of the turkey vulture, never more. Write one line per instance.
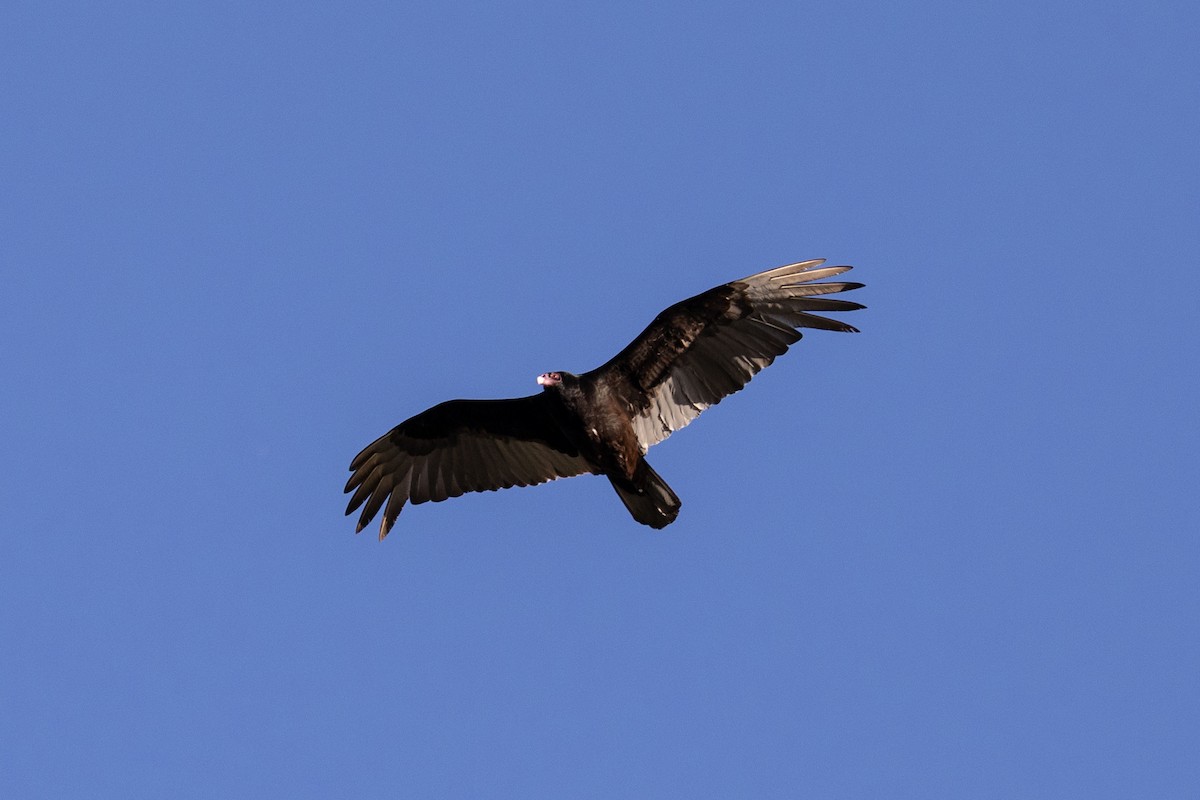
(602, 422)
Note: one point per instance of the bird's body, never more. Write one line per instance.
(603, 421)
(591, 415)
(598, 421)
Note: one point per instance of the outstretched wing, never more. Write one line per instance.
(709, 346)
(456, 447)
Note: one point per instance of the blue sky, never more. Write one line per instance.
(952, 556)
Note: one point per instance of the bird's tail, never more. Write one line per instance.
(647, 496)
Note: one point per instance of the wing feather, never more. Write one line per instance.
(457, 447)
(709, 346)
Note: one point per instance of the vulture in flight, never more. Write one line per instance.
(602, 422)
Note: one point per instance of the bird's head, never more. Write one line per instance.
(548, 379)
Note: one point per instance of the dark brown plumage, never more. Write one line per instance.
(602, 422)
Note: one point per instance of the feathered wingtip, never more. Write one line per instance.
(792, 290)
(804, 272)
(373, 484)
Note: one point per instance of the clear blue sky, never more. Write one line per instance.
(953, 556)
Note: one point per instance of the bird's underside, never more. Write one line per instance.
(602, 422)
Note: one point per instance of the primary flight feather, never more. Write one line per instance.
(602, 422)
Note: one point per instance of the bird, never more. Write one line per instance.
(602, 422)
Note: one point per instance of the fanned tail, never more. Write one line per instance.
(648, 497)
